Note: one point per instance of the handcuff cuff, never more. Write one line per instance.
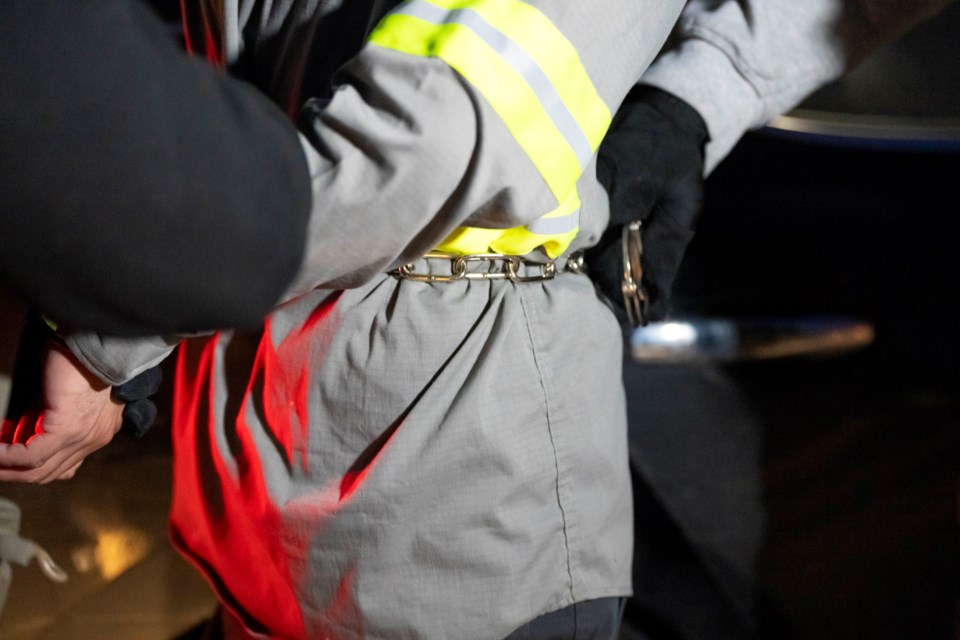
(635, 299)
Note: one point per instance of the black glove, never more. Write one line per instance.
(651, 164)
(140, 411)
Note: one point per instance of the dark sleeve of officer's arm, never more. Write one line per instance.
(141, 191)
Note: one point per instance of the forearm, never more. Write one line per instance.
(740, 64)
(140, 191)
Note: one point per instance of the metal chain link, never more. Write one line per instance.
(509, 270)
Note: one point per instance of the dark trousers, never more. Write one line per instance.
(590, 620)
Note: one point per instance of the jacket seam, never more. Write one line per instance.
(529, 316)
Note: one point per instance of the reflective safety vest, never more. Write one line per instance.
(532, 76)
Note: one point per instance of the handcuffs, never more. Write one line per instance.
(635, 299)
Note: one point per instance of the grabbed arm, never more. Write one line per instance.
(742, 63)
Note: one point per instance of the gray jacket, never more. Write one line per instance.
(402, 459)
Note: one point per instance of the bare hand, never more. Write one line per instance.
(78, 417)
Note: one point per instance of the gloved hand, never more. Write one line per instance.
(651, 164)
(139, 412)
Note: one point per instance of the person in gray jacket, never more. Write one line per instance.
(424, 444)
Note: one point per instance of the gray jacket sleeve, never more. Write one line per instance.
(407, 150)
(742, 63)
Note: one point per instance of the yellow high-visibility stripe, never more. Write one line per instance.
(516, 241)
(528, 27)
(512, 242)
(532, 76)
(505, 90)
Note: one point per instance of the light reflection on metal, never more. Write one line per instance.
(734, 340)
(49, 567)
(869, 127)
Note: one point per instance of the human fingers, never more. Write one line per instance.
(52, 451)
(7, 430)
(31, 462)
(28, 425)
(37, 468)
(71, 472)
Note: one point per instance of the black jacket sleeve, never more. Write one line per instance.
(140, 190)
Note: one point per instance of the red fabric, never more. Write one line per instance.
(199, 26)
(225, 521)
(223, 517)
